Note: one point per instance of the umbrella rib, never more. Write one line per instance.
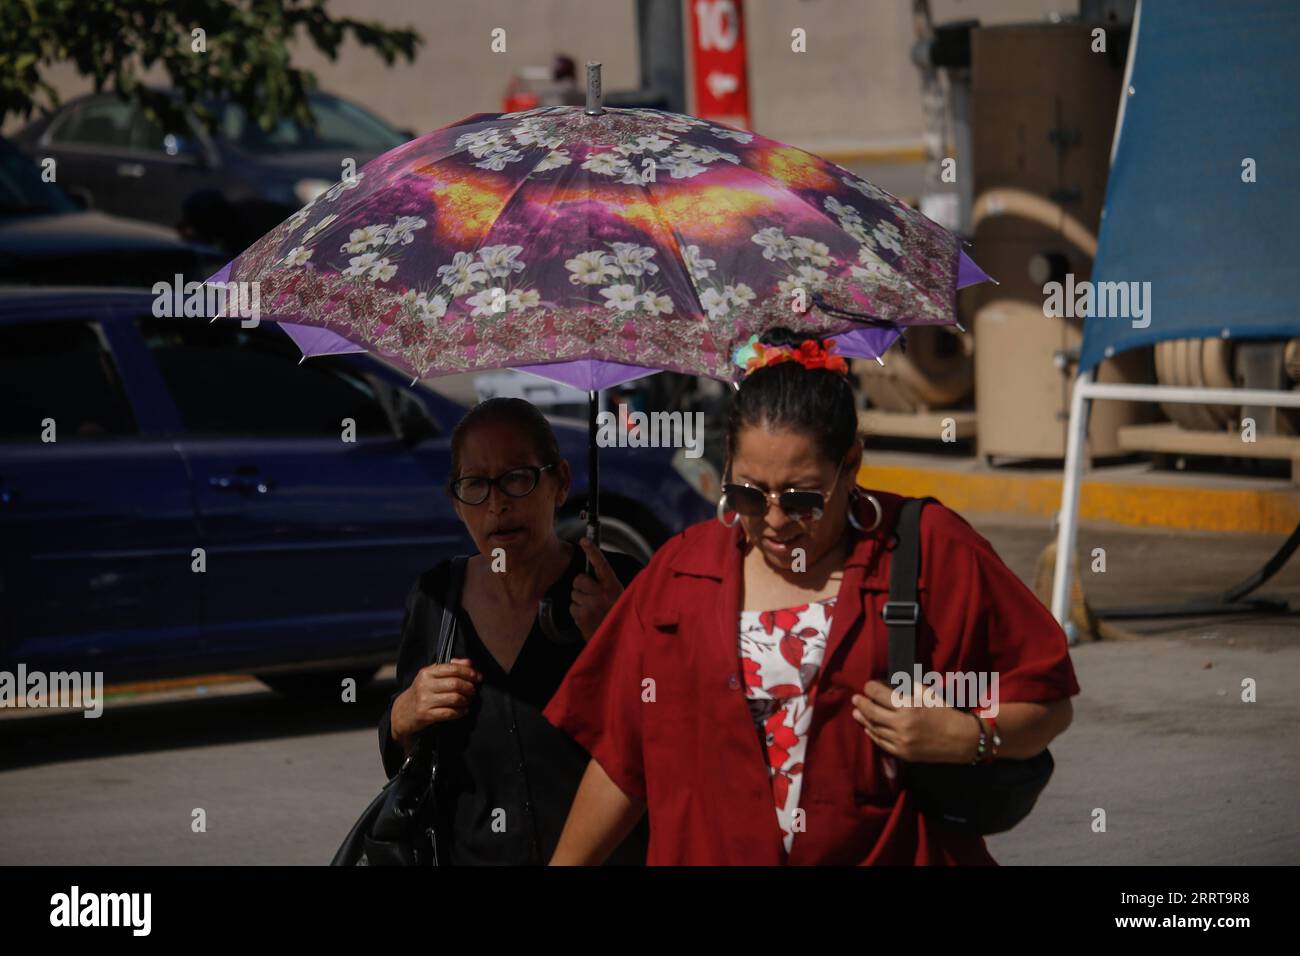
(473, 250)
(406, 174)
(514, 193)
(677, 240)
(825, 215)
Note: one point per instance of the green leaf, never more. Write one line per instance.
(247, 58)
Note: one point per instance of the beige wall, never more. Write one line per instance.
(855, 87)
(854, 90)
(456, 73)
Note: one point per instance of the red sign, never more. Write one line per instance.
(718, 60)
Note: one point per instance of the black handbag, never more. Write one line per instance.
(979, 798)
(397, 828)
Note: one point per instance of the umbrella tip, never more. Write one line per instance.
(880, 361)
(594, 95)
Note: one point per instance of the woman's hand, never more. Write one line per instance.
(440, 692)
(924, 732)
(593, 597)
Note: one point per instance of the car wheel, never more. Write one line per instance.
(319, 686)
(615, 535)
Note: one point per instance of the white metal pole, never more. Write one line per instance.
(1192, 395)
(1068, 518)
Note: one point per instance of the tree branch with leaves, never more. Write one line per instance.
(227, 49)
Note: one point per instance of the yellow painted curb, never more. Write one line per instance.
(175, 683)
(882, 154)
(1266, 511)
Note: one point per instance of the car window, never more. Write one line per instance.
(148, 136)
(61, 371)
(145, 134)
(232, 381)
(339, 125)
(22, 190)
(100, 122)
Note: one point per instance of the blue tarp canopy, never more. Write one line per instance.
(1211, 85)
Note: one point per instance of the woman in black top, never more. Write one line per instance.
(506, 777)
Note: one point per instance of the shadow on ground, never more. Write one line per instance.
(143, 726)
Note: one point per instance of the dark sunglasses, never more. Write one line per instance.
(799, 505)
(517, 483)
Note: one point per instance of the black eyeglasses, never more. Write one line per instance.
(798, 504)
(517, 483)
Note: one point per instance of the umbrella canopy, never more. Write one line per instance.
(595, 248)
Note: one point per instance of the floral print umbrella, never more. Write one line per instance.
(629, 240)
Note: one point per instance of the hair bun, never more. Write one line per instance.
(781, 337)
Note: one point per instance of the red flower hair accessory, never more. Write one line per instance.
(810, 354)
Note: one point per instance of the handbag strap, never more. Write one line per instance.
(442, 649)
(450, 605)
(902, 612)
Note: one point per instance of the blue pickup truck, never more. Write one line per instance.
(173, 435)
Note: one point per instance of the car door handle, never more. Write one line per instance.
(244, 484)
(131, 170)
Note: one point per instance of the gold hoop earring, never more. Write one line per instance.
(853, 518)
(722, 504)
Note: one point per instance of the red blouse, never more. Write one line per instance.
(658, 697)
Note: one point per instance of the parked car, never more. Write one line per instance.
(198, 512)
(47, 238)
(227, 188)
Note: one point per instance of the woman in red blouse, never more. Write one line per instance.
(736, 690)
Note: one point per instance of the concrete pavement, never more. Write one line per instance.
(1186, 772)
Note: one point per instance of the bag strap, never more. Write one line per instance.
(442, 649)
(902, 612)
(450, 605)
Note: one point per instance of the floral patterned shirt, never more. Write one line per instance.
(781, 652)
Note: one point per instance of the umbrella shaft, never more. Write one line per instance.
(593, 475)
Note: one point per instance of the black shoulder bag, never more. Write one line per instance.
(980, 798)
(397, 828)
